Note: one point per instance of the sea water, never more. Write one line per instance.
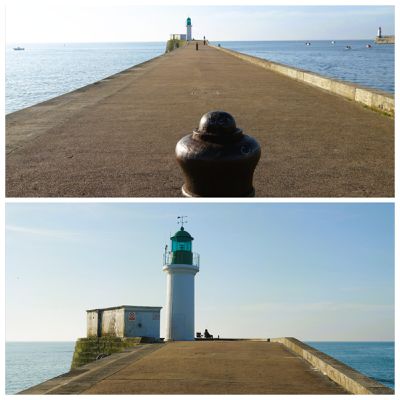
(373, 359)
(371, 67)
(43, 71)
(30, 363)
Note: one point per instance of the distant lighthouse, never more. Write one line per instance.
(181, 266)
(188, 29)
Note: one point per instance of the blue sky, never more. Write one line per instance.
(88, 21)
(313, 271)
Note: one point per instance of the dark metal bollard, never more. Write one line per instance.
(217, 159)
(197, 46)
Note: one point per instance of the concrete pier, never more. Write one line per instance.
(205, 367)
(116, 138)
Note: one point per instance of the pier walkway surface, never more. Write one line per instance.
(116, 138)
(205, 367)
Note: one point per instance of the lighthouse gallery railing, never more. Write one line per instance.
(168, 259)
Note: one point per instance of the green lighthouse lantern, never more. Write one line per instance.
(188, 22)
(181, 248)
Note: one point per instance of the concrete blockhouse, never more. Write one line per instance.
(178, 36)
(124, 321)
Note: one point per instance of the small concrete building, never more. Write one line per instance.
(124, 321)
(178, 36)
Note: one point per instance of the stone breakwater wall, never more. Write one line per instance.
(91, 349)
(385, 39)
(350, 379)
(173, 44)
(374, 99)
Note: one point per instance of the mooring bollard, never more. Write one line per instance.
(217, 159)
(197, 46)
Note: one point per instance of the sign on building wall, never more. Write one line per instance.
(132, 316)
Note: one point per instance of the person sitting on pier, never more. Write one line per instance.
(207, 335)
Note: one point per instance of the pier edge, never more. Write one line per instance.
(373, 99)
(345, 376)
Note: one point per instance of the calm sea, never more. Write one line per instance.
(372, 67)
(43, 71)
(30, 363)
(373, 359)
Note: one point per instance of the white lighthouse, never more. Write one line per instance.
(181, 266)
(188, 29)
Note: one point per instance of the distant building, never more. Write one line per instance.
(178, 36)
(381, 39)
(182, 36)
(124, 321)
(189, 29)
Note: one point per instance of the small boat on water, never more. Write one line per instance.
(333, 42)
(308, 44)
(19, 48)
(348, 47)
(368, 46)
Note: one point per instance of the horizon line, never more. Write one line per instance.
(303, 340)
(210, 40)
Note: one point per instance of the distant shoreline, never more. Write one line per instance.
(305, 341)
(211, 41)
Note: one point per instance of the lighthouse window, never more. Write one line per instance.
(181, 246)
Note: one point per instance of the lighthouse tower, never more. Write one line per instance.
(181, 266)
(188, 29)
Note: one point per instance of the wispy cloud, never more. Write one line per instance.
(52, 233)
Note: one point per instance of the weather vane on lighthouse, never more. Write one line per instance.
(182, 220)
